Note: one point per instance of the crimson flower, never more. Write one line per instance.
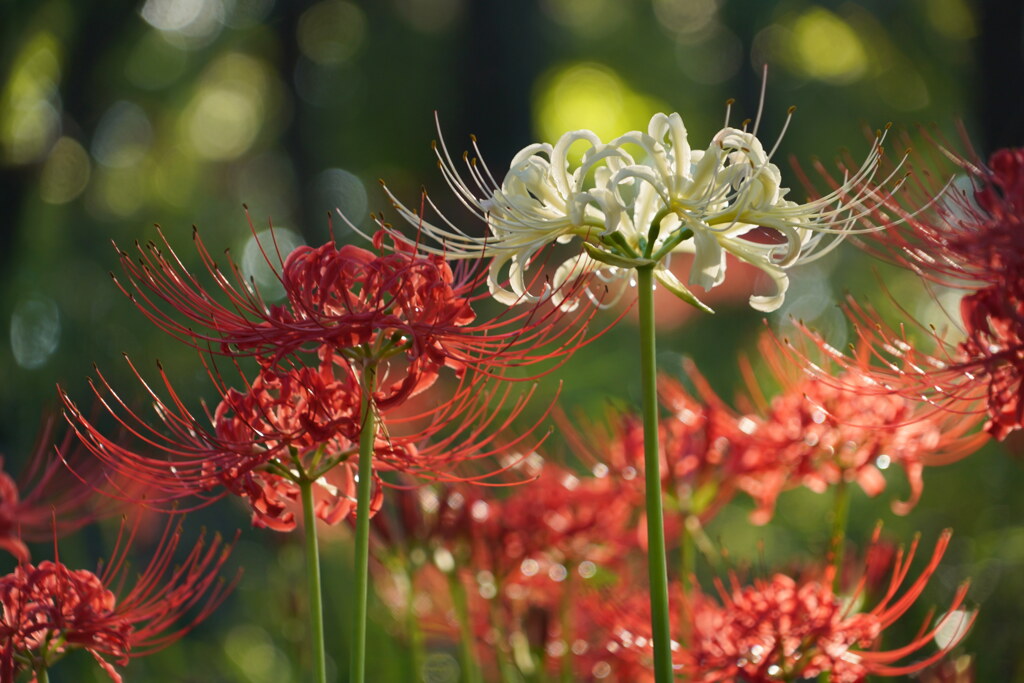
(50, 609)
(392, 304)
(783, 629)
(357, 328)
(47, 498)
(830, 428)
(290, 425)
(969, 240)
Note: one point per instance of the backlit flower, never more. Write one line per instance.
(50, 609)
(288, 426)
(969, 240)
(47, 498)
(625, 210)
(835, 427)
(785, 629)
(411, 314)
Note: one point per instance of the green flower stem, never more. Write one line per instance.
(412, 624)
(837, 544)
(506, 667)
(467, 652)
(840, 515)
(313, 585)
(367, 436)
(687, 568)
(657, 562)
(42, 675)
(565, 616)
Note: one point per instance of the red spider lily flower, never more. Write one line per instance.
(969, 240)
(817, 432)
(699, 439)
(559, 518)
(782, 629)
(389, 305)
(47, 498)
(520, 555)
(823, 430)
(293, 425)
(50, 609)
(962, 234)
(555, 518)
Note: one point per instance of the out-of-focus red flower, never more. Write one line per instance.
(47, 498)
(781, 629)
(700, 440)
(970, 240)
(821, 430)
(522, 554)
(50, 609)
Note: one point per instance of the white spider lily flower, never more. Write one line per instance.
(541, 200)
(729, 199)
(628, 212)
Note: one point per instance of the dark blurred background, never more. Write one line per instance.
(116, 116)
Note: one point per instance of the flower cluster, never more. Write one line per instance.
(782, 629)
(47, 499)
(822, 431)
(374, 370)
(387, 305)
(968, 240)
(50, 609)
(636, 200)
(347, 311)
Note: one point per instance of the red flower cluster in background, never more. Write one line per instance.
(784, 628)
(968, 239)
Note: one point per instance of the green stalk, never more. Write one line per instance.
(506, 668)
(367, 435)
(42, 675)
(565, 616)
(837, 544)
(657, 562)
(412, 623)
(467, 653)
(316, 605)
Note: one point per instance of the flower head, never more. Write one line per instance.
(359, 333)
(783, 629)
(290, 426)
(47, 498)
(50, 609)
(628, 210)
(968, 240)
(835, 426)
(408, 312)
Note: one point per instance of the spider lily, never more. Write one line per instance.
(286, 427)
(388, 306)
(971, 241)
(626, 210)
(47, 498)
(50, 609)
(784, 628)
